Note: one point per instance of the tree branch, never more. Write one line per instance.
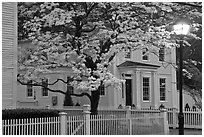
(40, 85)
(82, 94)
(88, 30)
(58, 81)
(112, 57)
(56, 91)
(88, 11)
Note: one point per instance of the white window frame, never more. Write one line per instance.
(44, 88)
(128, 53)
(104, 91)
(146, 54)
(29, 87)
(148, 88)
(161, 54)
(69, 85)
(164, 89)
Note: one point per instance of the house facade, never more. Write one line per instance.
(150, 79)
(150, 82)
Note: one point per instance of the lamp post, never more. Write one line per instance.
(181, 28)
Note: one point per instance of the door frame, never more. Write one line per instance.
(130, 94)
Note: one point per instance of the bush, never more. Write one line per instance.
(28, 113)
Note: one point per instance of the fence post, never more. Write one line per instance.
(128, 116)
(174, 117)
(86, 113)
(63, 123)
(166, 126)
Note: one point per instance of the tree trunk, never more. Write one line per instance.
(95, 96)
(68, 99)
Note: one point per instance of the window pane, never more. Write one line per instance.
(145, 54)
(102, 90)
(145, 84)
(128, 53)
(44, 90)
(29, 93)
(29, 89)
(146, 88)
(145, 57)
(162, 82)
(161, 54)
(70, 88)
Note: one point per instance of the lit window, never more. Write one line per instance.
(146, 89)
(162, 83)
(29, 89)
(161, 53)
(70, 88)
(44, 88)
(145, 54)
(102, 90)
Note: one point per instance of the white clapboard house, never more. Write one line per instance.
(150, 81)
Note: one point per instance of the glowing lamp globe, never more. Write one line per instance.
(182, 27)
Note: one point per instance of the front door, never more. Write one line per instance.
(128, 89)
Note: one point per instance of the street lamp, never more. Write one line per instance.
(181, 28)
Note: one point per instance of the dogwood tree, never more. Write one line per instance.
(87, 36)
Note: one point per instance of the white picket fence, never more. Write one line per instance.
(109, 122)
(31, 126)
(117, 124)
(192, 119)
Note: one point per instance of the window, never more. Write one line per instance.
(161, 53)
(44, 90)
(146, 89)
(70, 88)
(102, 90)
(29, 89)
(145, 54)
(162, 83)
(128, 53)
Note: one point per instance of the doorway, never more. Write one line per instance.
(128, 90)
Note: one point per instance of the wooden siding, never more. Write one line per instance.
(9, 54)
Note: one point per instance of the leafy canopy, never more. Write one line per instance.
(87, 36)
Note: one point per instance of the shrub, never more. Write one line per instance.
(28, 113)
